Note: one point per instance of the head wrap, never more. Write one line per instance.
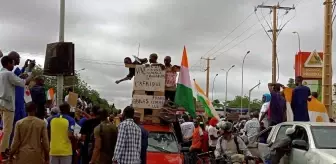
(267, 97)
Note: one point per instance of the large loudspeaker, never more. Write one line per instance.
(60, 59)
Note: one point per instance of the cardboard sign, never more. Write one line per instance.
(151, 78)
(72, 100)
(171, 79)
(146, 101)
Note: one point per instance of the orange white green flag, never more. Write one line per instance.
(184, 93)
(317, 111)
(206, 102)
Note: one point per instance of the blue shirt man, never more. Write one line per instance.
(300, 97)
(19, 98)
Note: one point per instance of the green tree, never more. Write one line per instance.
(79, 85)
(217, 104)
(255, 104)
(291, 83)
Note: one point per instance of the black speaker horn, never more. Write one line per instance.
(60, 59)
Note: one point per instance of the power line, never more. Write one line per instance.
(229, 34)
(241, 23)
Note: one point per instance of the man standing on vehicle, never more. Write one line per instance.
(229, 144)
(301, 94)
(277, 108)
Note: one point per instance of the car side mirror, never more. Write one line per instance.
(300, 144)
(184, 149)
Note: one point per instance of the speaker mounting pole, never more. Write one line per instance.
(60, 78)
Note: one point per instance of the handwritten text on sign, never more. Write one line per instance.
(145, 101)
(171, 79)
(151, 78)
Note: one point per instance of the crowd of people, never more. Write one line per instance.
(39, 137)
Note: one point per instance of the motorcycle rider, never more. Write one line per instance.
(231, 145)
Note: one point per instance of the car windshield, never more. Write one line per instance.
(323, 136)
(162, 142)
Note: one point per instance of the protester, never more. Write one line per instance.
(196, 138)
(252, 128)
(61, 129)
(105, 140)
(128, 147)
(87, 135)
(301, 94)
(263, 136)
(205, 139)
(153, 58)
(39, 96)
(8, 81)
(84, 116)
(264, 109)
(30, 143)
(170, 70)
(19, 90)
(131, 73)
(66, 98)
(230, 144)
(144, 141)
(213, 134)
(281, 146)
(53, 112)
(277, 105)
(187, 129)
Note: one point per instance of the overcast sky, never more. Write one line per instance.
(105, 32)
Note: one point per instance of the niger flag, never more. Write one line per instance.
(317, 111)
(288, 96)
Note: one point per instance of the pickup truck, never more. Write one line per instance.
(313, 143)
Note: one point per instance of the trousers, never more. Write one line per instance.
(60, 159)
(7, 119)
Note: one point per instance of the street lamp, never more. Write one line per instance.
(226, 84)
(242, 85)
(299, 39)
(213, 86)
(76, 72)
(250, 91)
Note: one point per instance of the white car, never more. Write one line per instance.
(314, 143)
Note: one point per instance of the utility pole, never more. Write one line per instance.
(327, 58)
(207, 74)
(274, 31)
(60, 78)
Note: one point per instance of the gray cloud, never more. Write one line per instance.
(106, 32)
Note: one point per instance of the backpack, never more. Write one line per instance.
(103, 147)
(235, 139)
